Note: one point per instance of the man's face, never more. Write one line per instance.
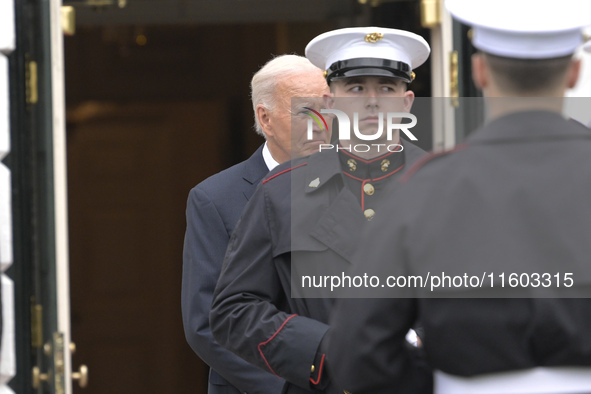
(289, 132)
(369, 97)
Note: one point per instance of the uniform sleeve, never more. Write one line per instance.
(206, 240)
(368, 351)
(250, 313)
(367, 342)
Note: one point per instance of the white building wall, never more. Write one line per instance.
(578, 106)
(7, 343)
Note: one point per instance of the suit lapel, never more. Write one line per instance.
(255, 170)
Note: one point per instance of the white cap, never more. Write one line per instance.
(363, 51)
(527, 29)
(587, 46)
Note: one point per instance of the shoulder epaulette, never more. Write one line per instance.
(283, 172)
(428, 158)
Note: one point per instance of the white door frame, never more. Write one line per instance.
(443, 111)
(60, 186)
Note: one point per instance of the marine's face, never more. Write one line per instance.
(369, 97)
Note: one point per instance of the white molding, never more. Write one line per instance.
(7, 342)
(579, 98)
(8, 352)
(60, 185)
(7, 32)
(4, 107)
(6, 257)
(443, 111)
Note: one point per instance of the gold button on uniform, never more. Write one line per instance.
(368, 189)
(312, 369)
(352, 165)
(369, 214)
(385, 164)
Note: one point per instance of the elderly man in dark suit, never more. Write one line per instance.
(215, 205)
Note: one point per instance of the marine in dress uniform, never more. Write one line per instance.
(513, 199)
(309, 211)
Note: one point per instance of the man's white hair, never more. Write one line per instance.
(264, 83)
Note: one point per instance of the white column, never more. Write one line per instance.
(60, 186)
(7, 343)
(443, 111)
(579, 98)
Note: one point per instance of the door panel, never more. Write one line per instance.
(130, 170)
(36, 161)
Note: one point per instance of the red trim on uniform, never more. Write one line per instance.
(374, 179)
(319, 371)
(283, 172)
(375, 158)
(387, 175)
(363, 194)
(354, 177)
(270, 339)
(363, 181)
(425, 159)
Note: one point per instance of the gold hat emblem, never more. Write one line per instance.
(315, 183)
(372, 38)
(412, 75)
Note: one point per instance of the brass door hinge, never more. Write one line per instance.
(430, 13)
(56, 373)
(68, 19)
(454, 84)
(31, 84)
(36, 325)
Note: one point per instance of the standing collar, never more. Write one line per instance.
(322, 166)
(375, 168)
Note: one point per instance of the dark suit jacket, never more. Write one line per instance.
(213, 208)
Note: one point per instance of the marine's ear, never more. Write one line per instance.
(480, 72)
(573, 73)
